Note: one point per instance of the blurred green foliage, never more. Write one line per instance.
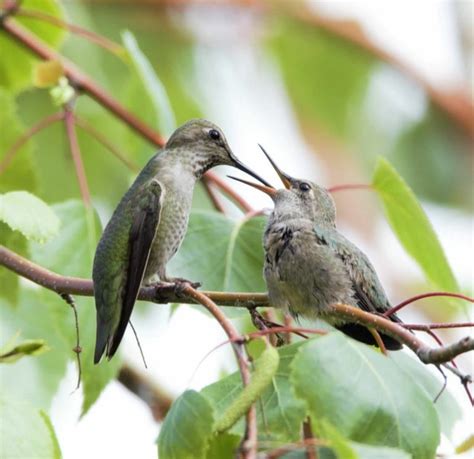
(329, 82)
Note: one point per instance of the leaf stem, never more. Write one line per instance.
(97, 135)
(349, 186)
(93, 37)
(76, 154)
(39, 126)
(425, 295)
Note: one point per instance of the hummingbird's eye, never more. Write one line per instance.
(305, 186)
(214, 134)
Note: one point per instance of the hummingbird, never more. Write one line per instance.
(149, 224)
(309, 265)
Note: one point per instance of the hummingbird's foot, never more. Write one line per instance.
(261, 324)
(180, 284)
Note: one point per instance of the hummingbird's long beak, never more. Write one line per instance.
(239, 165)
(266, 189)
(286, 179)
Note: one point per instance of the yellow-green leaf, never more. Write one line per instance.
(11, 352)
(24, 212)
(48, 73)
(411, 226)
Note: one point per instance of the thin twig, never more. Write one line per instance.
(308, 437)
(453, 367)
(437, 325)
(76, 153)
(378, 339)
(39, 126)
(138, 343)
(426, 295)
(349, 186)
(97, 135)
(284, 450)
(212, 195)
(249, 442)
(229, 191)
(77, 349)
(425, 354)
(93, 37)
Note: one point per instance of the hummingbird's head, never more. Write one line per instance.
(299, 198)
(205, 146)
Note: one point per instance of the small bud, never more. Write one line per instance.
(63, 92)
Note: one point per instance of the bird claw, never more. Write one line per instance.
(261, 323)
(180, 284)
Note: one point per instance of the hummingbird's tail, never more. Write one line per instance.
(362, 334)
(102, 337)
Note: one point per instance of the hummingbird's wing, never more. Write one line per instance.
(142, 233)
(368, 290)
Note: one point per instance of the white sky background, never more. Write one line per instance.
(241, 89)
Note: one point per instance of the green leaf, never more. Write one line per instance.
(17, 63)
(377, 452)
(26, 213)
(71, 255)
(279, 412)
(447, 407)
(26, 432)
(412, 227)
(11, 353)
(224, 254)
(365, 395)
(346, 449)
(34, 317)
(223, 445)
(8, 279)
(154, 88)
(262, 375)
(327, 78)
(19, 173)
(187, 429)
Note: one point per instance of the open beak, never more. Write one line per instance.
(266, 189)
(286, 179)
(244, 168)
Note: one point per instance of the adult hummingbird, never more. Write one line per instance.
(309, 265)
(149, 224)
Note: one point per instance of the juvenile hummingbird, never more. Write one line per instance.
(149, 224)
(309, 265)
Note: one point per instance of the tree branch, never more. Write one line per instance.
(167, 293)
(426, 354)
(157, 294)
(157, 398)
(79, 79)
